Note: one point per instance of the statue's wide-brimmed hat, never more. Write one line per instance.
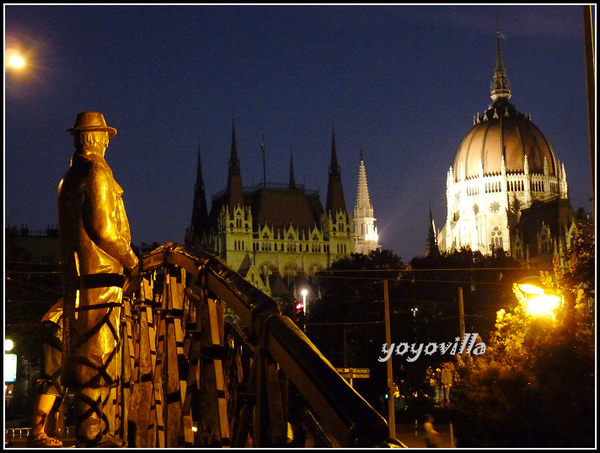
(91, 121)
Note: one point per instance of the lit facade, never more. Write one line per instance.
(273, 232)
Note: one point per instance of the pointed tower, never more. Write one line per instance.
(366, 237)
(199, 210)
(233, 224)
(431, 245)
(235, 193)
(337, 222)
(500, 86)
(335, 193)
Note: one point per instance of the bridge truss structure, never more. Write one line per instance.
(208, 360)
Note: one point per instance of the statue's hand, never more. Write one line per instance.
(128, 271)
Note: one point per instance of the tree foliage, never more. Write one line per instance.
(535, 385)
(377, 259)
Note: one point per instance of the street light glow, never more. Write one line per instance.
(304, 292)
(16, 61)
(536, 301)
(542, 305)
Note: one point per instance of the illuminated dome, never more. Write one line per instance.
(503, 166)
(503, 132)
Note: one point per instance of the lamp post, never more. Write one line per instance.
(390, 374)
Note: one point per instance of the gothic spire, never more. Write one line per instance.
(335, 192)
(234, 162)
(431, 245)
(199, 187)
(235, 193)
(363, 202)
(500, 86)
(200, 209)
(367, 238)
(334, 167)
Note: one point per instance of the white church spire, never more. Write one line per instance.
(365, 230)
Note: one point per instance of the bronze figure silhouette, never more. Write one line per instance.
(96, 252)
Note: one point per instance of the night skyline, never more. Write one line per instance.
(400, 83)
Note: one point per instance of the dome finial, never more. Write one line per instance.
(500, 86)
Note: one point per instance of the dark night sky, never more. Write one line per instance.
(403, 83)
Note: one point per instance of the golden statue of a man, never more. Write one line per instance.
(96, 253)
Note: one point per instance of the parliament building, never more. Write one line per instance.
(276, 235)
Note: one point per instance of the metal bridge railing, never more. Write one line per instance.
(209, 360)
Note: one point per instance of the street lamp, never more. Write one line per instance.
(537, 302)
